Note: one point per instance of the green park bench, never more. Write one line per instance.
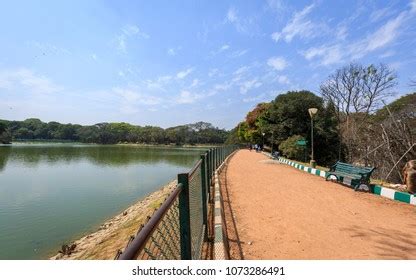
(352, 175)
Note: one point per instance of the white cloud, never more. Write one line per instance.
(328, 54)
(239, 53)
(223, 86)
(277, 62)
(337, 52)
(232, 15)
(277, 6)
(385, 34)
(282, 79)
(381, 13)
(299, 26)
(248, 85)
(131, 30)
(413, 6)
(164, 79)
(186, 97)
(221, 49)
(257, 98)
(276, 36)
(173, 51)
(94, 57)
(225, 47)
(195, 83)
(128, 31)
(241, 24)
(387, 54)
(121, 43)
(130, 99)
(341, 32)
(27, 80)
(159, 83)
(241, 70)
(184, 73)
(213, 72)
(379, 39)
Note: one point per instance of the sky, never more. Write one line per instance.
(168, 63)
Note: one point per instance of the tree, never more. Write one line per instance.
(355, 92)
(291, 149)
(393, 133)
(358, 89)
(5, 136)
(288, 114)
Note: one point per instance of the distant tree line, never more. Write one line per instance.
(354, 123)
(111, 133)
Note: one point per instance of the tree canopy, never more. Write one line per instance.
(111, 133)
(287, 116)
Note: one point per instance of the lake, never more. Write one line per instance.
(51, 194)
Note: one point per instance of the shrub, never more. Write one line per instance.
(291, 149)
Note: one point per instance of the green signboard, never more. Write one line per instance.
(301, 142)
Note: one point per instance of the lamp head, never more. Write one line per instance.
(312, 111)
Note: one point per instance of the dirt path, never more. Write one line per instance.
(283, 213)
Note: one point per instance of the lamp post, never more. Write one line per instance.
(262, 147)
(312, 112)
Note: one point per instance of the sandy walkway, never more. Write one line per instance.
(283, 213)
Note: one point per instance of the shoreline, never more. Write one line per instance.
(33, 141)
(115, 232)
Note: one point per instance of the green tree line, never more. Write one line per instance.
(111, 133)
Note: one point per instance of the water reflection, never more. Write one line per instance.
(32, 155)
(4, 156)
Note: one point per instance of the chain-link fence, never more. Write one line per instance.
(179, 228)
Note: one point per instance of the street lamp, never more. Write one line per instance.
(312, 112)
(262, 147)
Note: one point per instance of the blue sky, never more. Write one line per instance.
(167, 63)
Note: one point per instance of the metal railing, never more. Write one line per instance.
(179, 228)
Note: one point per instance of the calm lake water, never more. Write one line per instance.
(51, 194)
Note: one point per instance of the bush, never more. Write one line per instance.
(291, 149)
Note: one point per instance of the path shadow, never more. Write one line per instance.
(388, 243)
(226, 205)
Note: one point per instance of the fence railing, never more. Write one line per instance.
(179, 228)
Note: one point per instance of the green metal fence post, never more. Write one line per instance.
(204, 195)
(215, 160)
(213, 164)
(214, 153)
(207, 165)
(210, 167)
(184, 217)
(220, 156)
